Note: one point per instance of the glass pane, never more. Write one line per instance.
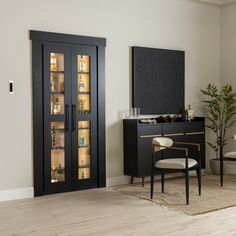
(83, 63)
(57, 82)
(84, 149)
(57, 104)
(84, 124)
(57, 152)
(84, 103)
(56, 62)
(83, 83)
(84, 173)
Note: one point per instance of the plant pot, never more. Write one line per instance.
(215, 166)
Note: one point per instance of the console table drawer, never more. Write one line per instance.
(194, 128)
(149, 131)
(170, 130)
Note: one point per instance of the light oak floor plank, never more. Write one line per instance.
(106, 212)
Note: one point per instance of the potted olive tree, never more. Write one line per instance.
(221, 107)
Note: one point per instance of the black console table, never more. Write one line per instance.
(138, 142)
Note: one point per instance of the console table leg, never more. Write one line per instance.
(143, 181)
(132, 179)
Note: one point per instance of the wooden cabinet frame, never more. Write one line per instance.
(38, 40)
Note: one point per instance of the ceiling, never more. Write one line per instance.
(217, 2)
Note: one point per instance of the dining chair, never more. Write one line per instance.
(163, 165)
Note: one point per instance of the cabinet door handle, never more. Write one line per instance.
(192, 133)
(73, 117)
(177, 134)
(150, 136)
(67, 117)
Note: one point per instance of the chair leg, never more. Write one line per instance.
(152, 182)
(143, 178)
(187, 186)
(198, 170)
(221, 171)
(132, 179)
(162, 182)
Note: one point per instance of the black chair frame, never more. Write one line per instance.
(164, 171)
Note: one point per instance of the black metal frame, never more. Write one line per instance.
(39, 39)
(186, 170)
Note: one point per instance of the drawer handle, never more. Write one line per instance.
(150, 136)
(194, 133)
(169, 135)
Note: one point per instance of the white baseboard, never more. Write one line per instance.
(18, 193)
(118, 180)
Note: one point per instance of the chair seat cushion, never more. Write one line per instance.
(230, 155)
(175, 163)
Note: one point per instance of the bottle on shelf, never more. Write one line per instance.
(52, 86)
(82, 139)
(83, 174)
(53, 62)
(82, 65)
(189, 113)
(81, 105)
(81, 84)
(82, 163)
(56, 107)
(53, 175)
(54, 144)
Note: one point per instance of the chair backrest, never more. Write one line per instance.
(161, 141)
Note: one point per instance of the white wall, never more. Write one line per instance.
(176, 24)
(228, 58)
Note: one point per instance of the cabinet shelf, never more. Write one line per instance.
(84, 166)
(57, 92)
(84, 111)
(87, 128)
(57, 71)
(84, 73)
(57, 148)
(83, 92)
(85, 146)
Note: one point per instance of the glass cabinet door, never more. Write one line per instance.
(56, 116)
(85, 114)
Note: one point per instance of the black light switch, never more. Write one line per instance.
(11, 87)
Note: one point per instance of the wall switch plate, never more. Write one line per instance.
(11, 87)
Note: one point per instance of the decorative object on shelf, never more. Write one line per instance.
(53, 175)
(133, 112)
(189, 113)
(53, 62)
(53, 137)
(81, 105)
(82, 64)
(52, 85)
(81, 84)
(83, 176)
(56, 107)
(82, 140)
(221, 107)
(184, 116)
(148, 121)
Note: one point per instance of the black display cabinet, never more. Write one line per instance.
(68, 112)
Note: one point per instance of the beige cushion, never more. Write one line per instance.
(175, 163)
(161, 141)
(230, 155)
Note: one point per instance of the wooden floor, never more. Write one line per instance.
(106, 212)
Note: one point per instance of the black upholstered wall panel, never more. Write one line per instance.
(158, 80)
